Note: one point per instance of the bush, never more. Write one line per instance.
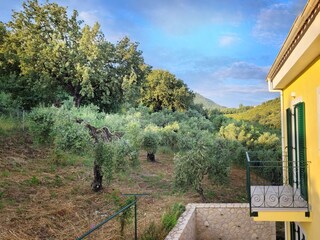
(150, 141)
(169, 135)
(169, 219)
(7, 104)
(224, 152)
(70, 135)
(104, 157)
(42, 121)
(124, 154)
(207, 156)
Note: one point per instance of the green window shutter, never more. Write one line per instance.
(289, 146)
(302, 156)
(292, 231)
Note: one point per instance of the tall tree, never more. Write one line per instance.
(131, 69)
(54, 49)
(163, 90)
(124, 72)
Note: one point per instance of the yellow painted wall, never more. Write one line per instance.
(307, 86)
(291, 216)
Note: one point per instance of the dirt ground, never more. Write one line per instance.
(40, 199)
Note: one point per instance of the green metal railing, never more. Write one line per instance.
(269, 185)
(134, 203)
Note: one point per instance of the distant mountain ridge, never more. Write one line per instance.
(207, 103)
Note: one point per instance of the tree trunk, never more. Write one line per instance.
(77, 101)
(151, 157)
(201, 193)
(96, 185)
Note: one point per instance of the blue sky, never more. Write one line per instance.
(221, 49)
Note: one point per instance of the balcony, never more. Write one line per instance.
(275, 186)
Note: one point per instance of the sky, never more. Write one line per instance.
(222, 49)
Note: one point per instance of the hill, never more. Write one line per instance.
(267, 113)
(207, 103)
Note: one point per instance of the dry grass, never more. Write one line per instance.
(40, 200)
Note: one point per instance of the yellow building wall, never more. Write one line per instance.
(307, 87)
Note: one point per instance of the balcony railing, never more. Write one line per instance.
(276, 185)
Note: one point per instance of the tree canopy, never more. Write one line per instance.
(163, 90)
(49, 55)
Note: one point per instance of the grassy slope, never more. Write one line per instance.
(268, 113)
(43, 196)
(207, 103)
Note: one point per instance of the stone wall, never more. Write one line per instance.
(218, 221)
(186, 226)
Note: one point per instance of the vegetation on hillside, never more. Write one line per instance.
(267, 114)
(206, 103)
(47, 56)
(90, 103)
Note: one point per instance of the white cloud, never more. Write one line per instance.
(241, 71)
(179, 17)
(274, 22)
(228, 40)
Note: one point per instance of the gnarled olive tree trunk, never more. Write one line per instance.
(98, 134)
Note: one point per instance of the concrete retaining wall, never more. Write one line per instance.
(218, 221)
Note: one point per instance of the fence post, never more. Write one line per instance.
(135, 219)
(248, 181)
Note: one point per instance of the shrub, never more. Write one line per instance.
(126, 216)
(121, 153)
(168, 221)
(42, 121)
(170, 218)
(207, 155)
(223, 153)
(169, 135)
(7, 104)
(104, 157)
(70, 135)
(150, 142)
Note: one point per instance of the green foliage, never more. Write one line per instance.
(42, 121)
(10, 124)
(70, 135)
(225, 153)
(192, 165)
(60, 126)
(205, 102)
(33, 181)
(49, 53)
(104, 154)
(150, 139)
(7, 104)
(266, 114)
(120, 202)
(124, 154)
(170, 218)
(168, 221)
(169, 135)
(241, 132)
(162, 90)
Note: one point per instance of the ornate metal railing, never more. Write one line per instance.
(276, 184)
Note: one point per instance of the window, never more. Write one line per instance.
(296, 144)
(296, 232)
